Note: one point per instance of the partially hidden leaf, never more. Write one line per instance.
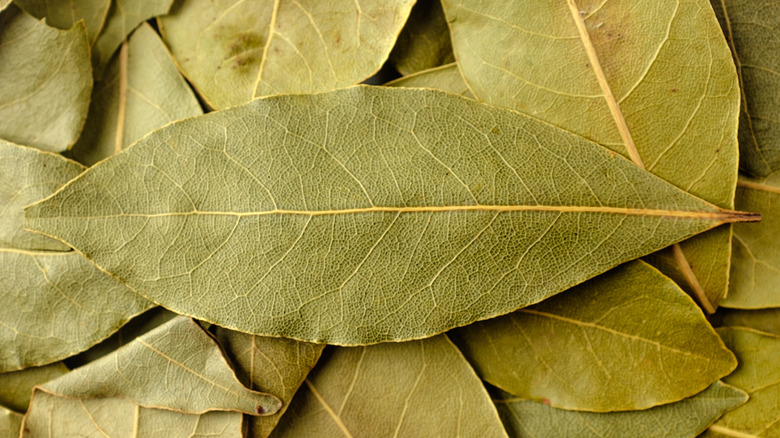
(140, 91)
(64, 14)
(16, 387)
(612, 72)
(424, 42)
(686, 418)
(176, 366)
(445, 78)
(582, 349)
(236, 50)
(274, 365)
(10, 423)
(351, 217)
(45, 81)
(755, 268)
(764, 320)
(420, 388)
(758, 374)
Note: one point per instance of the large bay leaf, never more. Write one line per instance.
(752, 29)
(765, 320)
(424, 42)
(176, 366)
(235, 50)
(652, 80)
(445, 78)
(45, 81)
(758, 374)
(629, 339)
(755, 269)
(140, 91)
(275, 365)
(420, 388)
(16, 387)
(687, 418)
(10, 423)
(364, 215)
(51, 416)
(64, 14)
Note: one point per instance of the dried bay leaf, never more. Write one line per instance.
(10, 423)
(16, 387)
(628, 339)
(445, 78)
(140, 91)
(686, 418)
(236, 50)
(424, 42)
(764, 320)
(612, 72)
(45, 81)
(420, 388)
(341, 218)
(64, 14)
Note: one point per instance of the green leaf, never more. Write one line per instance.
(16, 387)
(64, 14)
(653, 81)
(421, 388)
(755, 268)
(445, 78)
(758, 374)
(121, 418)
(753, 32)
(274, 365)
(176, 366)
(235, 50)
(45, 82)
(424, 42)
(584, 349)
(10, 423)
(351, 218)
(764, 320)
(687, 418)
(141, 91)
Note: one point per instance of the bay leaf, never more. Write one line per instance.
(16, 387)
(10, 422)
(612, 72)
(753, 33)
(424, 41)
(233, 51)
(64, 14)
(629, 339)
(758, 374)
(686, 418)
(45, 81)
(140, 91)
(764, 320)
(4, 4)
(28, 175)
(755, 266)
(445, 78)
(53, 416)
(364, 215)
(176, 366)
(419, 388)
(274, 365)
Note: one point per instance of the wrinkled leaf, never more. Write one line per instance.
(752, 29)
(651, 80)
(118, 418)
(140, 91)
(758, 374)
(176, 366)
(63, 14)
(687, 418)
(765, 320)
(10, 422)
(629, 339)
(755, 267)
(45, 81)
(421, 388)
(341, 218)
(274, 365)
(16, 387)
(235, 50)
(424, 42)
(445, 78)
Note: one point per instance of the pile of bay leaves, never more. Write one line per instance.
(538, 220)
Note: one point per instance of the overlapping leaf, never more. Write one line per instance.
(424, 42)
(351, 218)
(64, 14)
(765, 320)
(10, 422)
(16, 387)
(445, 78)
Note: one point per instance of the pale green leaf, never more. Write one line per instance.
(176, 366)
(629, 339)
(758, 374)
(16, 387)
(140, 91)
(765, 320)
(45, 81)
(445, 78)
(235, 50)
(687, 418)
(10, 423)
(274, 365)
(755, 267)
(752, 29)
(123, 17)
(63, 14)
(421, 388)
(52, 417)
(424, 42)
(364, 215)
(28, 175)
(652, 80)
